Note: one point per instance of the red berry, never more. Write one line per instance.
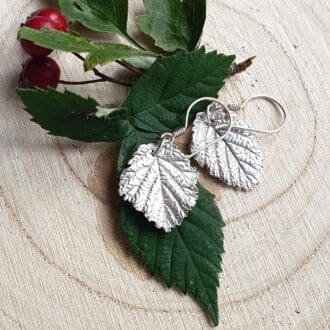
(37, 23)
(53, 15)
(42, 72)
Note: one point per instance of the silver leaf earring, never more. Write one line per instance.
(160, 182)
(236, 159)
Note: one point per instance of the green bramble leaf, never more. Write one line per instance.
(189, 257)
(98, 52)
(174, 24)
(159, 100)
(70, 115)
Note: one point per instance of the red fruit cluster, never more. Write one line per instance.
(41, 71)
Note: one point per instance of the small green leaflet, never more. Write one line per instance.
(189, 257)
(141, 62)
(98, 15)
(111, 52)
(159, 100)
(98, 52)
(57, 40)
(70, 115)
(174, 24)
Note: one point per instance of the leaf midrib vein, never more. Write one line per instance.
(182, 93)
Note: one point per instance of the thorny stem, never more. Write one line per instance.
(104, 76)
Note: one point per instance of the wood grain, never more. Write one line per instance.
(64, 264)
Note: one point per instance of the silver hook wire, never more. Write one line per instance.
(279, 107)
(271, 100)
(182, 130)
(229, 125)
(163, 138)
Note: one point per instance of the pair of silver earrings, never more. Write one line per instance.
(160, 181)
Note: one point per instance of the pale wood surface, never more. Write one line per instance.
(63, 264)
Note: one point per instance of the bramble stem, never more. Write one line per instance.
(104, 76)
(129, 67)
(84, 82)
(133, 42)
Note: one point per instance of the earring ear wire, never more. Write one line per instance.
(229, 126)
(276, 104)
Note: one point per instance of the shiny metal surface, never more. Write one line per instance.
(162, 185)
(236, 159)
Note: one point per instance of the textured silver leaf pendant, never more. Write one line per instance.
(162, 185)
(237, 159)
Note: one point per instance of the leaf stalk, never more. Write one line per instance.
(103, 76)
